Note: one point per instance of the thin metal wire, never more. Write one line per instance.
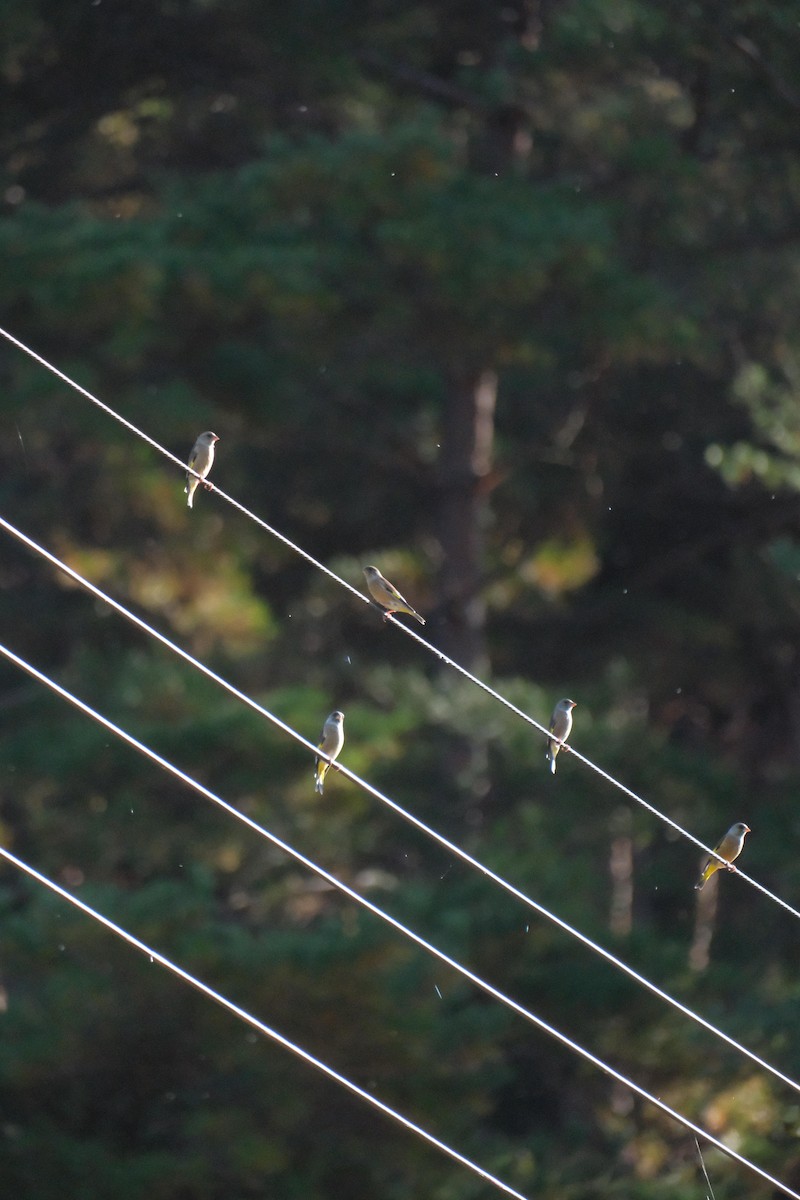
(444, 658)
(705, 1172)
(254, 1022)
(451, 847)
(539, 1022)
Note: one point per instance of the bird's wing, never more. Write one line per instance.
(393, 592)
(328, 743)
(559, 724)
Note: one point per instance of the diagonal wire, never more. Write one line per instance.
(249, 1019)
(705, 1172)
(451, 847)
(442, 657)
(530, 1016)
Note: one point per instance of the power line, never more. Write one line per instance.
(249, 1019)
(452, 847)
(439, 654)
(539, 1022)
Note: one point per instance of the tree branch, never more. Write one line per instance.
(747, 47)
(424, 83)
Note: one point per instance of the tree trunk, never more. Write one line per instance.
(467, 441)
(620, 866)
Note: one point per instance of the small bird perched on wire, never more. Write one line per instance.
(387, 595)
(729, 848)
(331, 744)
(201, 460)
(560, 727)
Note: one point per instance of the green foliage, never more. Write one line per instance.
(310, 228)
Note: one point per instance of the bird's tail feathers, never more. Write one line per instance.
(321, 770)
(708, 870)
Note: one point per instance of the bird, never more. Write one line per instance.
(331, 744)
(560, 727)
(729, 848)
(387, 595)
(201, 460)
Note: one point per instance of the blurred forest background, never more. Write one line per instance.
(500, 296)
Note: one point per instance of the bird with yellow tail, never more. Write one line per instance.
(331, 744)
(729, 848)
(560, 727)
(387, 595)
(201, 460)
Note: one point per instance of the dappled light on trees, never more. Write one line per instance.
(502, 299)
